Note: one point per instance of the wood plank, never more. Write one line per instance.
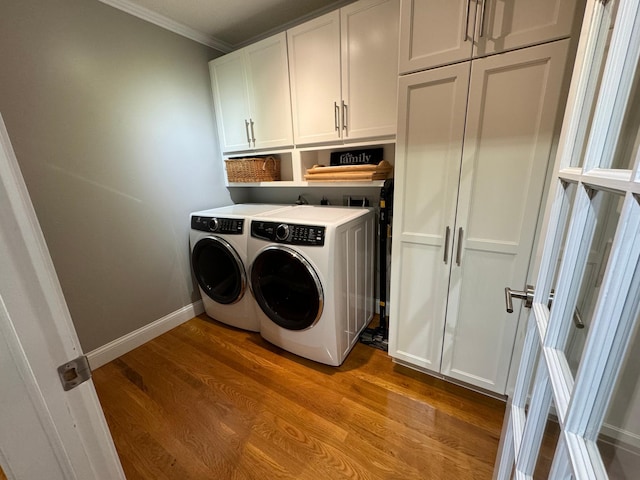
(206, 400)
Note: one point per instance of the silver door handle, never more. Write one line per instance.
(484, 6)
(246, 128)
(527, 296)
(344, 115)
(465, 37)
(447, 234)
(459, 248)
(253, 135)
(336, 116)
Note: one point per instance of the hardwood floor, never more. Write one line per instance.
(206, 401)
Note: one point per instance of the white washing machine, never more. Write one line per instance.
(312, 278)
(218, 240)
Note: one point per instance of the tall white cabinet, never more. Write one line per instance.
(473, 145)
(343, 69)
(251, 96)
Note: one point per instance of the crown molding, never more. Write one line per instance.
(310, 16)
(168, 24)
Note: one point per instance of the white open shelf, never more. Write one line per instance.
(296, 161)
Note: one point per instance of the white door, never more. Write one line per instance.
(502, 26)
(369, 67)
(46, 432)
(511, 119)
(231, 101)
(269, 97)
(435, 32)
(314, 62)
(589, 397)
(431, 116)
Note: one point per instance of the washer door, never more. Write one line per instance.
(219, 270)
(287, 288)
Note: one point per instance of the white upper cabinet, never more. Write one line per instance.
(314, 56)
(369, 32)
(343, 69)
(251, 96)
(436, 33)
(231, 101)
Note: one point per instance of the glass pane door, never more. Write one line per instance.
(578, 416)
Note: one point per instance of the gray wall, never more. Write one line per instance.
(112, 123)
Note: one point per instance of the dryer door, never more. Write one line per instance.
(287, 288)
(219, 270)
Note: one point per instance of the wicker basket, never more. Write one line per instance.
(253, 169)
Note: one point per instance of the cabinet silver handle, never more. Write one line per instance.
(484, 6)
(246, 127)
(344, 115)
(459, 249)
(447, 234)
(466, 23)
(336, 116)
(253, 135)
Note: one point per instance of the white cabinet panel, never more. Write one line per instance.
(430, 130)
(369, 32)
(231, 101)
(511, 120)
(479, 334)
(435, 33)
(251, 96)
(420, 300)
(268, 74)
(491, 207)
(343, 69)
(519, 23)
(314, 59)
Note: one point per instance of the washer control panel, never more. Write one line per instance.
(288, 233)
(227, 226)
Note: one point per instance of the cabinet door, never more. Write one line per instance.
(503, 26)
(270, 101)
(514, 100)
(435, 32)
(369, 67)
(427, 165)
(231, 101)
(314, 62)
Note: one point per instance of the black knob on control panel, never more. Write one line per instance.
(214, 224)
(282, 231)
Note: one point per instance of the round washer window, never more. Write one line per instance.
(219, 270)
(287, 288)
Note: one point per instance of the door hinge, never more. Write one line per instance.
(74, 372)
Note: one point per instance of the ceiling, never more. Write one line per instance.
(226, 24)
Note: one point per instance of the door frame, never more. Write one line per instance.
(55, 434)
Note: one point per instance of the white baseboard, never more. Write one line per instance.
(128, 342)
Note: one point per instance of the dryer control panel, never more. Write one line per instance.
(288, 233)
(227, 226)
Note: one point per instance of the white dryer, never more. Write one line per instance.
(218, 240)
(312, 277)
